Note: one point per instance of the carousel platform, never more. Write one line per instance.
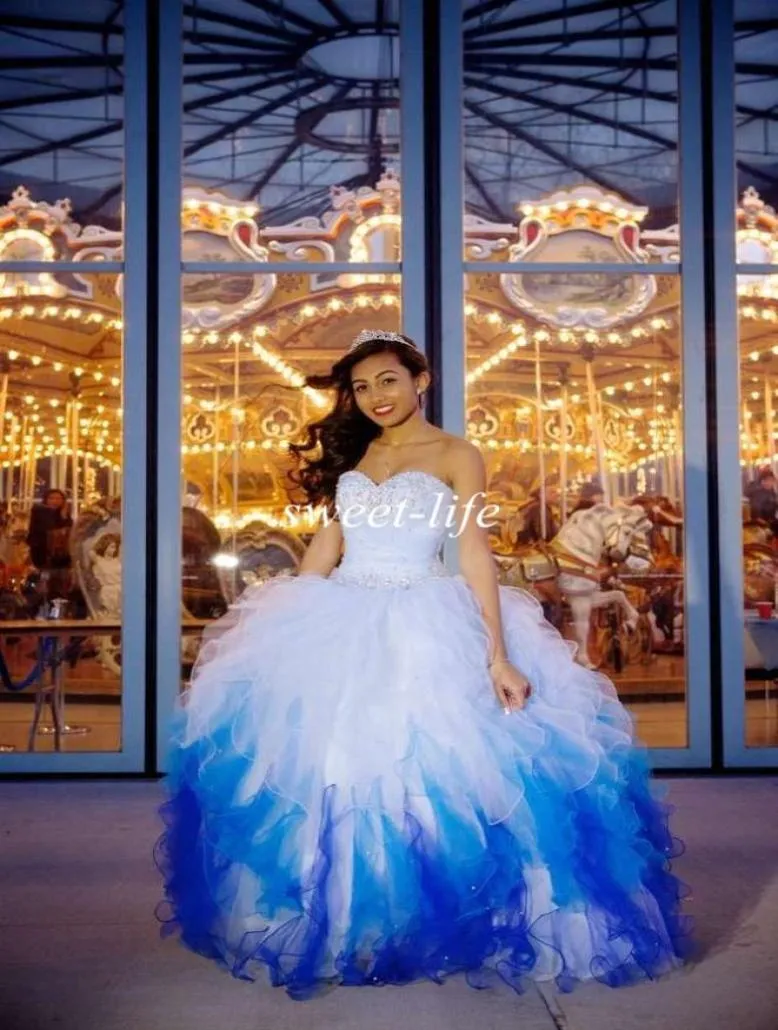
(81, 948)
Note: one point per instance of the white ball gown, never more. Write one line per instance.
(348, 802)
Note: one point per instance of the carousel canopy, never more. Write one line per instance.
(285, 98)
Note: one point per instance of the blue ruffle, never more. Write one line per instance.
(430, 908)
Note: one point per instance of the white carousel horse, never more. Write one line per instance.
(589, 537)
(572, 564)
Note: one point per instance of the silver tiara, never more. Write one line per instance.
(379, 334)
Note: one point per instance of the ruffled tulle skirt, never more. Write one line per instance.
(347, 802)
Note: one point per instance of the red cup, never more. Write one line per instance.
(764, 609)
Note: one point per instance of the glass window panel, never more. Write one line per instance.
(61, 104)
(758, 318)
(756, 100)
(570, 96)
(282, 107)
(244, 401)
(60, 494)
(576, 403)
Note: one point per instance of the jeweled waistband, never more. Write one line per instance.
(387, 575)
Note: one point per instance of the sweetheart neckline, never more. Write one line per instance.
(396, 475)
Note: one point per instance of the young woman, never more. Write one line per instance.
(383, 771)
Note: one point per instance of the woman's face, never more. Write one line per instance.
(55, 499)
(385, 390)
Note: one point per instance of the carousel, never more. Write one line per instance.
(573, 395)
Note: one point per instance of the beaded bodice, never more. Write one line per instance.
(394, 530)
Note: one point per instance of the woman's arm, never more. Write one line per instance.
(323, 552)
(468, 476)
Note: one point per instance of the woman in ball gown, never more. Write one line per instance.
(382, 770)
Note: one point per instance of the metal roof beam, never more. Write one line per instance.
(29, 21)
(614, 63)
(479, 187)
(217, 39)
(571, 38)
(246, 89)
(332, 8)
(551, 14)
(550, 79)
(245, 24)
(574, 112)
(242, 58)
(248, 119)
(282, 13)
(291, 147)
(15, 103)
(62, 61)
(565, 160)
(61, 144)
(617, 63)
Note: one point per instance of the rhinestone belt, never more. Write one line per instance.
(389, 576)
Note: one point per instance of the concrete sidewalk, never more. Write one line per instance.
(80, 946)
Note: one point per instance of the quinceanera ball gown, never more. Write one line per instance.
(348, 802)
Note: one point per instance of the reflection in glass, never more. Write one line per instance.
(574, 397)
(562, 95)
(61, 95)
(290, 110)
(61, 553)
(756, 97)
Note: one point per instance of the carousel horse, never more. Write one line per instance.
(660, 596)
(760, 563)
(575, 561)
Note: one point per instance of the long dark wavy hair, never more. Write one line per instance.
(336, 443)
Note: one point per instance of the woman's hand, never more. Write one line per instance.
(510, 686)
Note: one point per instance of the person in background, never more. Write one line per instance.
(532, 525)
(48, 538)
(763, 499)
(591, 493)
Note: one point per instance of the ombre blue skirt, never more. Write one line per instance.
(347, 802)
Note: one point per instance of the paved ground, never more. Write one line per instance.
(79, 947)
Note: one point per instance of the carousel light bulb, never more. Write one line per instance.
(754, 355)
(647, 381)
(115, 381)
(97, 376)
(13, 355)
(665, 377)
(58, 366)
